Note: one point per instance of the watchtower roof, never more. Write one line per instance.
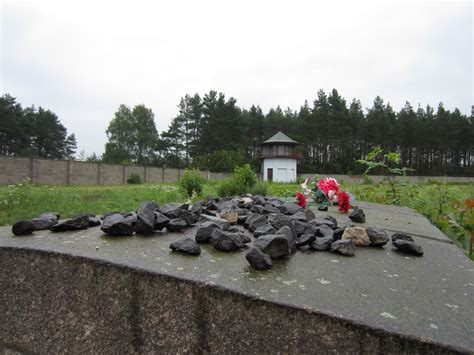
(280, 137)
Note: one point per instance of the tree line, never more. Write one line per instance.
(213, 133)
(32, 132)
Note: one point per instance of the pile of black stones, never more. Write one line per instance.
(268, 227)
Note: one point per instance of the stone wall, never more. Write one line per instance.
(68, 172)
(54, 303)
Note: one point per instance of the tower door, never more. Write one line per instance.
(270, 174)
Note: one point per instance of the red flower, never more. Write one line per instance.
(300, 199)
(343, 201)
(325, 185)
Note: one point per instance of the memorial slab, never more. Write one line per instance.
(428, 300)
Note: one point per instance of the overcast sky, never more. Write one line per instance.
(82, 59)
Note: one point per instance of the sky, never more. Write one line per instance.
(82, 59)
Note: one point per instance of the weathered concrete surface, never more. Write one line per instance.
(85, 292)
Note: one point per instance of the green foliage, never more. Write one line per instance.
(260, 188)
(243, 179)
(134, 179)
(33, 132)
(220, 160)
(132, 136)
(191, 183)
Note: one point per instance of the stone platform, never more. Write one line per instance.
(86, 292)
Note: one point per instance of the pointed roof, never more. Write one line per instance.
(280, 137)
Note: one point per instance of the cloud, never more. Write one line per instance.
(83, 59)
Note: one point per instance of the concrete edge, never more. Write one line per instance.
(144, 272)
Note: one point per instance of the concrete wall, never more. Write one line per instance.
(64, 172)
(52, 303)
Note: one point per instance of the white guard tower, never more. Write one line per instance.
(279, 158)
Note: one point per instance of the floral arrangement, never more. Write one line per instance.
(327, 192)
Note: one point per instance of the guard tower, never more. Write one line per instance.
(279, 158)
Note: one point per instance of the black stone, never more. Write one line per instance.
(244, 237)
(274, 201)
(305, 239)
(318, 221)
(45, 221)
(196, 207)
(242, 219)
(204, 232)
(146, 218)
(300, 227)
(276, 246)
(281, 220)
(338, 232)
(282, 208)
(378, 238)
(258, 222)
(161, 221)
(183, 214)
(258, 200)
(186, 246)
(209, 212)
(221, 222)
(131, 217)
(258, 260)
(408, 247)
(257, 209)
(73, 224)
(264, 230)
(357, 216)
(322, 244)
(401, 236)
(299, 216)
(292, 208)
(168, 208)
(23, 227)
(212, 205)
(345, 247)
(176, 224)
(288, 233)
(323, 231)
(226, 241)
(268, 208)
(333, 220)
(309, 215)
(116, 225)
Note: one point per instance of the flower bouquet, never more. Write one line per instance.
(327, 193)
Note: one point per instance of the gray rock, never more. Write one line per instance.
(318, 221)
(357, 216)
(258, 200)
(309, 215)
(258, 260)
(292, 208)
(250, 218)
(264, 230)
(258, 222)
(131, 217)
(322, 244)
(324, 231)
(333, 220)
(408, 247)
(221, 222)
(161, 221)
(378, 238)
(46, 220)
(146, 218)
(274, 201)
(176, 224)
(401, 236)
(196, 208)
(23, 227)
(244, 237)
(301, 227)
(288, 233)
(212, 205)
(116, 225)
(269, 208)
(226, 241)
(93, 219)
(257, 209)
(282, 208)
(299, 216)
(73, 224)
(183, 214)
(344, 247)
(338, 232)
(170, 207)
(204, 232)
(276, 246)
(186, 246)
(305, 239)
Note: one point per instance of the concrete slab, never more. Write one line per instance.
(429, 298)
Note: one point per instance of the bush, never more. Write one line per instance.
(191, 182)
(243, 179)
(134, 178)
(260, 188)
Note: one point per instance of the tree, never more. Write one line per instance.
(14, 137)
(132, 136)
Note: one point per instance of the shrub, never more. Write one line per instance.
(191, 182)
(260, 188)
(134, 178)
(230, 187)
(244, 175)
